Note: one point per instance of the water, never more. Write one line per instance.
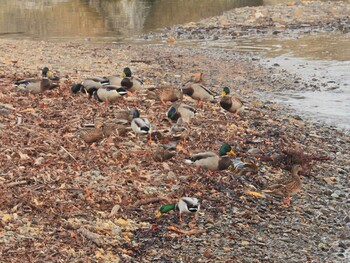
(320, 59)
(103, 20)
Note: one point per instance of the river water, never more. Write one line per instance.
(320, 59)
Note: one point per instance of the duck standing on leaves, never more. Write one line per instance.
(188, 205)
(286, 187)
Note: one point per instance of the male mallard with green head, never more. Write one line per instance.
(211, 160)
(198, 92)
(182, 110)
(188, 205)
(36, 86)
(286, 187)
(229, 103)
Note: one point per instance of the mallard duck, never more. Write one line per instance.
(132, 84)
(211, 160)
(169, 93)
(188, 205)
(142, 126)
(229, 103)
(286, 187)
(199, 92)
(196, 78)
(91, 133)
(182, 110)
(126, 116)
(180, 130)
(108, 93)
(36, 86)
(89, 85)
(164, 153)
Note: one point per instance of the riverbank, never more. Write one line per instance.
(55, 187)
(58, 192)
(285, 20)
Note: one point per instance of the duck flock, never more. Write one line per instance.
(113, 88)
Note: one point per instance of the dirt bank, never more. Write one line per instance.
(283, 19)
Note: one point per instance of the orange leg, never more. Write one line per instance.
(162, 101)
(184, 141)
(149, 139)
(200, 103)
(180, 217)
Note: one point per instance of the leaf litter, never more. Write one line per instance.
(65, 199)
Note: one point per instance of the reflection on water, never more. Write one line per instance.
(118, 19)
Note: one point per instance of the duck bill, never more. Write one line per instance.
(159, 214)
(123, 75)
(223, 94)
(49, 74)
(232, 153)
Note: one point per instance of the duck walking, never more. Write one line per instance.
(286, 187)
(189, 205)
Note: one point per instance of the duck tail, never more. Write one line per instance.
(188, 161)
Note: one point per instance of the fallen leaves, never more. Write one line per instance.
(186, 232)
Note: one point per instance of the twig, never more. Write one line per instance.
(16, 183)
(91, 236)
(145, 202)
(186, 232)
(69, 154)
(140, 61)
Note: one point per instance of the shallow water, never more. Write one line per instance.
(103, 20)
(323, 61)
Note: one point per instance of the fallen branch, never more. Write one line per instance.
(148, 201)
(69, 154)
(16, 183)
(140, 61)
(186, 232)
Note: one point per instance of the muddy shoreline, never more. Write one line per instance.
(285, 20)
(58, 192)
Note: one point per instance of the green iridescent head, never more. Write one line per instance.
(226, 149)
(126, 72)
(225, 91)
(166, 209)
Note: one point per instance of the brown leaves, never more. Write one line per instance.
(186, 232)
